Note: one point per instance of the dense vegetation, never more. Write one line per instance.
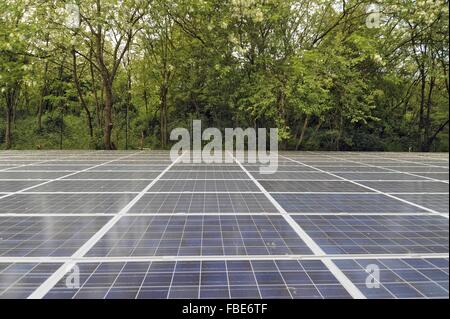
(329, 74)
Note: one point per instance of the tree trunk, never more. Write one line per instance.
(80, 94)
(427, 122)
(422, 107)
(340, 129)
(302, 134)
(8, 133)
(94, 89)
(42, 102)
(163, 114)
(433, 137)
(107, 112)
(11, 100)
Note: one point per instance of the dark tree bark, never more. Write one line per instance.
(80, 94)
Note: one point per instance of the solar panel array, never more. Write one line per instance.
(85, 224)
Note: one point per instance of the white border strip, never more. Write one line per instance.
(212, 258)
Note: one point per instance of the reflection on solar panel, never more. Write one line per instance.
(14, 186)
(137, 225)
(64, 203)
(438, 202)
(46, 236)
(19, 280)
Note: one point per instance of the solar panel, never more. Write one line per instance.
(377, 234)
(140, 226)
(19, 280)
(46, 236)
(205, 175)
(202, 186)
(409, 187)
(115, 175)
(30, 175)
(92, 186)
(197, 203)
(14, 186)
(439, 176)
(422, 169)
(437, 202)
(125, 167)
(399, 278)
(294, 176)
(311, 186)
(343, 203)
(389, 176)
(204, 279)
(64, 203)
(200, 236)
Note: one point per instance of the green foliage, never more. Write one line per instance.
(318, 73)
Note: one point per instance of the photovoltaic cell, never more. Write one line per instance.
(137, 168)
(19, 280)
(64, 203)
(203, 203)
(205, 175)
(202, 186)
(294, 176)
(237, 221)
(360, 169)
(115, 175)
(206, 168)
(343, 203)
(436, 202)
(92, 186)
(14, 186)
(31, 175)
(46, 236)
(312, 186)
(399, 278)
(409, 187)
(439, 176)
(377, 234)
(200, 236)
(48, 168)
(379, 176)
(422, 169)
(203, 280)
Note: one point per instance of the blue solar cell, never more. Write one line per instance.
(200, 235)
(207, 279)
(377, 234)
